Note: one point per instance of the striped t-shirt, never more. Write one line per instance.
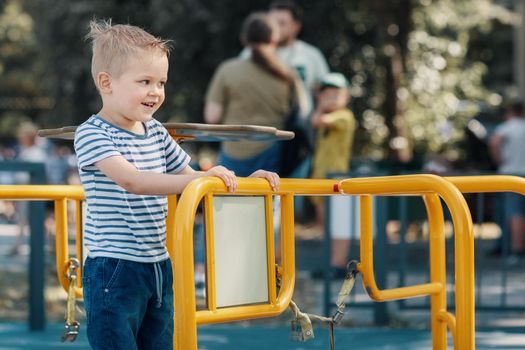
(120, 224)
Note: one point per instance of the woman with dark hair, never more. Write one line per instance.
(258, 90)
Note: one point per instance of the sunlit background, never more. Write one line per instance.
(420, 69)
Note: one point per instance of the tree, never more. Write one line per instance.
(21, 94)
(442, 85)
(203, 32)
(416, 66)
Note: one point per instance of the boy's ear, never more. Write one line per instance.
(104, 82)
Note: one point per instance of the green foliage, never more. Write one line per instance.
(204, 33)
(18, 69)
(443, 86)
(417, 67)
(9, 123)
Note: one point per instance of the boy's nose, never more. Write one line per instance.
(155, 90)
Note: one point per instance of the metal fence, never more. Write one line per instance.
(402, 256)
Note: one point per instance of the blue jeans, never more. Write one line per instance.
(129, 305)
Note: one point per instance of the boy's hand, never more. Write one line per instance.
(227, 176)
(272, 178)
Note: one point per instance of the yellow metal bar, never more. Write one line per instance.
(288, 186)
(270, 250)
(464, 242)
(62, 253)
(211, 296)
(480, 184)
(41, 192)
(186, 318)
(450, 321)
(287, 254)
(438, 272)
(185, 334)
(170, 238)
(426, 185)
(237, 313)
(287, 280)
(180, 244)
(60, 194)
(170, 225)
(79, 241)
(367, 263)
(493, 183)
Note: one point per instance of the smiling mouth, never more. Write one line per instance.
(149, 104)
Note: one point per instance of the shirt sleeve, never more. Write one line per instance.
(176, 158)
(93, 144)
(502, 129)
(340, 120)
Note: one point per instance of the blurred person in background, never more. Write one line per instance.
(30, 148)
(310, 65)
(304, 58)
(257, 90)
(58, 164)
(335, 125)
(507, 145)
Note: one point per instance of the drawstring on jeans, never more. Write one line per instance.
(158, 283)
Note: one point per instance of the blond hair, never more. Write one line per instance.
(113, 44)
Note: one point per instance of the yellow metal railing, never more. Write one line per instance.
(493, 183)
(429, 186)
(462, 326)
(485, 184)
(180, 222)
(60, 194)
(186, 318)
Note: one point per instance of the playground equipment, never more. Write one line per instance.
(60, 194)
(180, 244)
(228, 304)
(210, 189)
(427, 185)
(197, 132)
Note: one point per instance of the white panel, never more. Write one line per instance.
(241, 267)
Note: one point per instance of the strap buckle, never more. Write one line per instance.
(71, 327)
(70, 332)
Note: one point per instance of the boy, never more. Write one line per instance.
(128, 163)
(335, 125)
